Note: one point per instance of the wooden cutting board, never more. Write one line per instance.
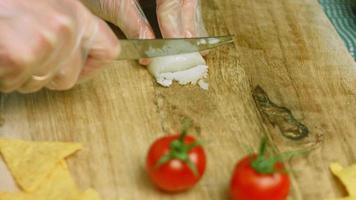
(288, 47)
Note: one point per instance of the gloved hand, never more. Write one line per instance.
(177, 18)
(126, 14)
(50, 43)
(180, 18)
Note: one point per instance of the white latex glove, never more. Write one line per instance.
(180, 18)
(126, 14)
(50, 43)
(177, 18)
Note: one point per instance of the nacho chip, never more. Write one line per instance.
(89, 194)
(7, 183)
(347, 176)
(31, 163)
(14, 196)
(58, 185)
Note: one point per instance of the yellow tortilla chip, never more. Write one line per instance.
(31, 163)
(89, 194)
(347, 176)
(344, 198)
(14, 196)
(58, 185)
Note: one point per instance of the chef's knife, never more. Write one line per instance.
(133, 49)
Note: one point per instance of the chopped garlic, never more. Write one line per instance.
(183, 68)
(203, 85)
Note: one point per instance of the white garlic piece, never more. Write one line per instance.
(184, 68)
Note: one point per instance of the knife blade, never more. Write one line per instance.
(149, 48)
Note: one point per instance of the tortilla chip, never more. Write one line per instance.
(30, 163)
(14, 196)
(347, 176)
(89, 194)
(7, 183)
(58, 185)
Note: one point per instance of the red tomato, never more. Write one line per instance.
(248, 184)
(175, 175)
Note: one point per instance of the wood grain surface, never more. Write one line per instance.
(288, 47)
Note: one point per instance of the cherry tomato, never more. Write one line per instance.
(175, 163)
(257, 177)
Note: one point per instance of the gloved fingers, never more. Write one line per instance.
(193, 24)
(67, 75)
(18, 59)
(58, 51)
(34, 83)
(104, 47)
(189, 12)
(44, 74)
(180, 18)
(36, 52)
(98, 43)
(92, 68)
(169, 16)
(11, 82)
(12, 73)
(57, 70)
(126, 14)
(145, 61)
(133, 21)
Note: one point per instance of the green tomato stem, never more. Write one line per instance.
(262, 164)
(179, 150)
(265, 165)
